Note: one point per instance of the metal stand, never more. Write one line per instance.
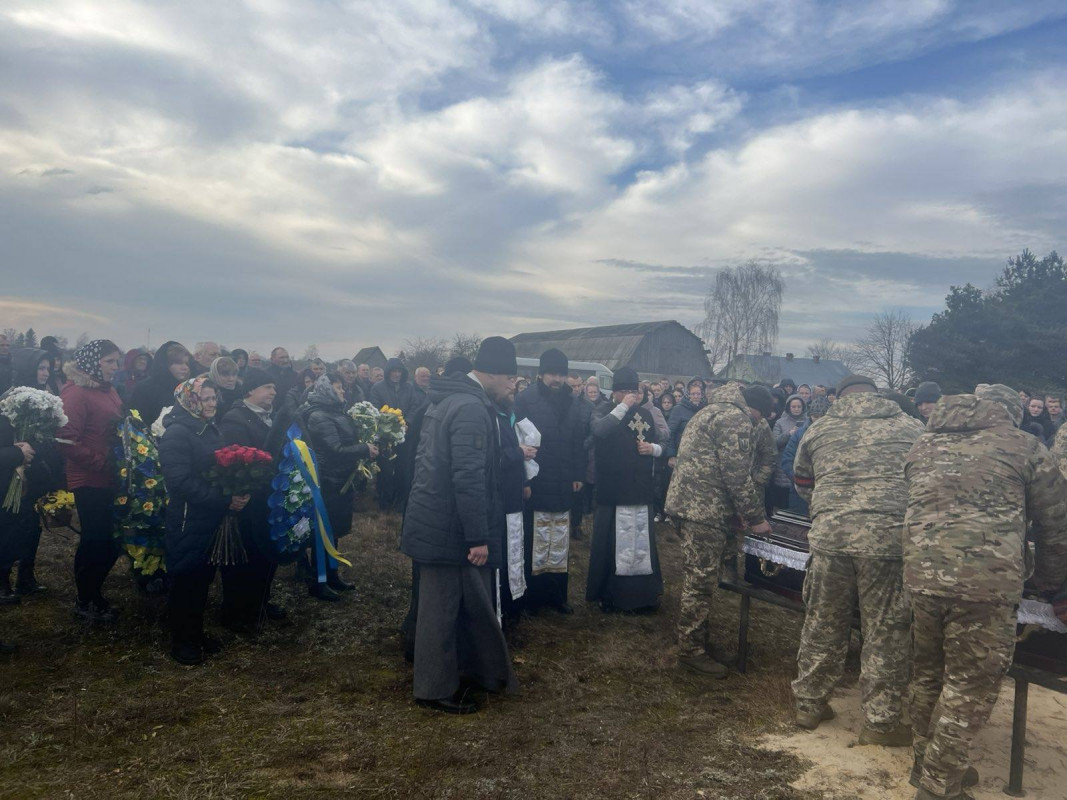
(1018, 740)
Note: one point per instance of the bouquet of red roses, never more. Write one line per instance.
(237, 471)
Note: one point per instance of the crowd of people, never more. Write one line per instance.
(921, 506)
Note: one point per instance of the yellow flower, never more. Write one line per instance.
(142, 449)
(148, 506)
(136, 415)
(151, 483)
(121, 500)
(122, 472)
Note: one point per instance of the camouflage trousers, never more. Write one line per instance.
(703, 547)
(832, 587)
(962, 651)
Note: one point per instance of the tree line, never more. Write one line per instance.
(1012, 332)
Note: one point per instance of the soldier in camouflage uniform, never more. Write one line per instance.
(711, 486)
(974, 482)
(1059, 448)
(850, 468)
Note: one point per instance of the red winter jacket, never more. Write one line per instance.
(91, 410)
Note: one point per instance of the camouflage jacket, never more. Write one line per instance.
(712, 478)
(974, 481)
(765, 454)
(1059, 448)
(850, 469)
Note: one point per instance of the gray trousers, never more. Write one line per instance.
(457, 633)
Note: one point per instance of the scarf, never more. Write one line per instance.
(188, 396)
(87, 358)
(263, 414)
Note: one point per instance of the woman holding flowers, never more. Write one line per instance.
(20, 532)
(333, 437)
(195, 511)
(92, 407)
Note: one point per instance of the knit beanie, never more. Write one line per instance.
(458, 364)
(496, 356)
(254, 378)
(759, 398)
(553, 362)
(927, 392)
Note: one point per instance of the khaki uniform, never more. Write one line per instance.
(765, 455)
(850, 469)
(711, 486)
(975, 481)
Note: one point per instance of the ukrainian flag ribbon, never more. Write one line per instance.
(310, 473)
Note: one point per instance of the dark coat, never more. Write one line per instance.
(46, 472)
(456, 501)
(399, 395)
(195, 508)
(680, 416)
(623, 476)
(243, 427)
(285, 378)
(156, 392)
(331, 434)
(563, 423)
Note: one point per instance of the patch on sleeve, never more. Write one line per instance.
(744, 442)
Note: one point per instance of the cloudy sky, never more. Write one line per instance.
(351, 173)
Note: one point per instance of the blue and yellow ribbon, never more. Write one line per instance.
(310, 473)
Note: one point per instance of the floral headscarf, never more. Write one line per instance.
(188, 396)
(87, 358)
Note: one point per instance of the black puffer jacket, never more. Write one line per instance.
(46, 472)
(331, 434)
(455, 502)
(563, 423)
(156, 392)
(400, 395)
(195, 507)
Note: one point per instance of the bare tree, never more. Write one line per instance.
(83, 339)
(741, 312)
(311, 352)
(826, 349)
(466, 345)
(882, 351)
(424, 351)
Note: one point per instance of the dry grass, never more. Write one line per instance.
(321, 705)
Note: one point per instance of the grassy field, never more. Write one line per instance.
(320, 705)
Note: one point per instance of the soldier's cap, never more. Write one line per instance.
(1005, 395)
(855, 380)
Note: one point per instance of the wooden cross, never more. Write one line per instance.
(639, 426)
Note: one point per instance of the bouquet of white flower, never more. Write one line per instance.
(35, 415)
(367, 418)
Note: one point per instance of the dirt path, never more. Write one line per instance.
(843, 770)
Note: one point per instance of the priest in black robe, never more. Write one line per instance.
(624, 573)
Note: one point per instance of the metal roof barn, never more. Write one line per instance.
(664, 348)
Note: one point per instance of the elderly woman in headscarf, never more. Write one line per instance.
(195, 510)
(333, 437)
(223, 373)
(92, 407)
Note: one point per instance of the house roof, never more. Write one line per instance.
(613, 346)
(370, 355)
(772, 369)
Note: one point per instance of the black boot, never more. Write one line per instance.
(338, 584)
(7, 596)
(27, 581)
(322, 591)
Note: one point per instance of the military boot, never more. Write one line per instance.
(970, 776)
(704, 665)
(809, 720)
(900, 736)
